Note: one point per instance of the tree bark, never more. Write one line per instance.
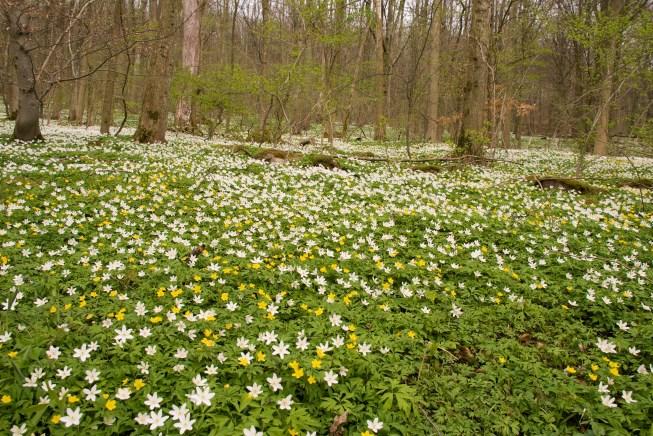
(110, 79)
(190, 59)
(472, 128)
(153, 119)
(379, 71)
(432, 130)
(10, 85)
(27, 126)
(608, 57)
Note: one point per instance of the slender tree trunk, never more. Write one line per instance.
(379, 125)
(27, 126)
(190, 58)
(153, 119)
(110, 79)
(10, 86)
(472, 129)
(432, 131)
(608, 57)
(264, 109)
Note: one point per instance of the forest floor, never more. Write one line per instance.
(190, 287)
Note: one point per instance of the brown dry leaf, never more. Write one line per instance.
(338, 422)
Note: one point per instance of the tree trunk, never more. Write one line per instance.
(153, 119)
(27, 126)
(432, 131)
(379, 71)
(470, 139)
(190, 59)
(10, 87)
(110, 79)
(608, 57)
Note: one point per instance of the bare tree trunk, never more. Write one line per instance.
(27, 126)
(153, 119)
(110, 79)
(608, 63)
(379, 125)
(190, 58)
(472, 128)
(10, 87)
(264, 109)
(506, 115)
(432, 131)
(355, 77)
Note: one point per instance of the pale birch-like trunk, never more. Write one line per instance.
(379, 71)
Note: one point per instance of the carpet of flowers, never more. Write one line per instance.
(179, 288)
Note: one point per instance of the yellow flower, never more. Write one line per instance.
(570, 370)
(595, 367)
(55, 419)
(294, 365)
(614, 371)
(12, 354)
(138, 384)
(156, 319)
(298, 373)
(110, 405)
(243, 361)
(593, 377)
(72, 399)
(366, 433)
(311, 380)
(260, 356)
(316, 363)
(293, 432)
(411, 334)
(6, 399)
(502, 360)
(208, 342)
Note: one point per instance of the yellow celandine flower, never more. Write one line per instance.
(120, 316)
(595, 367)
(208, 342)
(593, 376)
(316, 363)
(6, 399)
(312, 380)
(502, 360)
(53, 309)
(366, 433)
(262, 305)
(12, 354)
(55, 419)
(156, 319)
(570, 370)
(72, 399)
(319, 311)
(197, 277)
(614, 371)
(243, 361)
(411, 334)
(161, 293)
(298, 373)
(176, 293)
(110, 405)
(350, 346)
(139, 384)
(294, 364)
(293, 432)
(260, 356)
